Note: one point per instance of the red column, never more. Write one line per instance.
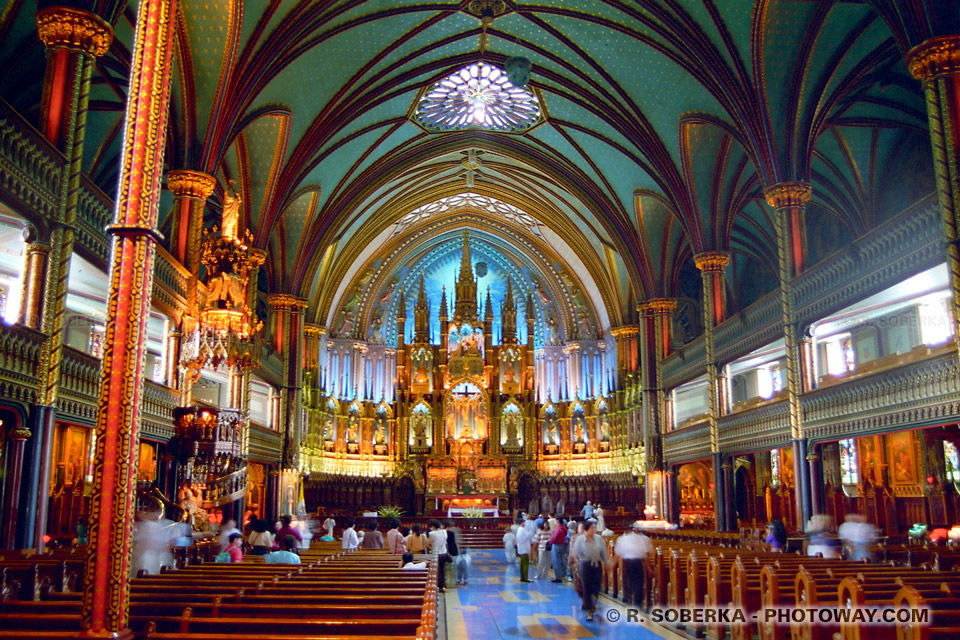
(106, 595)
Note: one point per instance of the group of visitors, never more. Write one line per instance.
(277, 544)
(443, 540)
(577, 550)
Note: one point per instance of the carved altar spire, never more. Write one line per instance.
(421, 315)
(488, 314)
(465, 303)
(443, 304)
(508, 315)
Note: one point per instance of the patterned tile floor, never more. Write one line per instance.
(495, 605)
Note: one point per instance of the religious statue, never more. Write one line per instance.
(327, 428)
(553, 334)
(346, 323)
(511, 429)
(578, 433)
(541, 294)
(227, 288)
(604, 429)
(379, 435)
(352, 426)
(420, 429)
(385, 297)
(376, 335)
(230, 222)
(585, 328)
(552, 436)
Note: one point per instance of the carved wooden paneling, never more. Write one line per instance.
(757, 429)
(264, 443)
(30, 167)
(687, 444)
(19, 353)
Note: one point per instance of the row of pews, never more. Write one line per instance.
(708, 576)
(333, 593)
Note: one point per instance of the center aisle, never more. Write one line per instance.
(495, 605)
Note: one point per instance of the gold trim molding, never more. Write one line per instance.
(190, 184)
(935, 57)
(657, 305)
(71, 28)
(626, 331)
(788, 194)
(712, 260)
(286, 302)
(313, 330)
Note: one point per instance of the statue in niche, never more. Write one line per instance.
(230, 221)
(353, 425)
(584, 327)
(466, 412)
(380, 434)
(541, 294)
(228, 289)
(385, 297)
(578, 431)
(553, 333)
(604, 428)
(327, 428)
(551, 431)
(346, 323)
(376, 334)
(419, 428)
(511, 428)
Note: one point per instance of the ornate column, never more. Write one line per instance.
(936, 63)
(628, 360)
(18, 436)
(34, 267)
(74, 39)
(816, 483)
(190, 191)
(789, 200)
(172, 358)
(654, 345)
(289, 311)
(106, 596)
(712, 265)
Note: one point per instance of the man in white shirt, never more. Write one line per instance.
(350, 539)
(634, 548)
(328, 525)
(524, 538)
(438, 547)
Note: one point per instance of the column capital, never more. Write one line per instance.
(286, 302)
(625, 331)
(187, 183)
(257, 257)
(934, 57)
(712, 260)
(19, 433)
(788, 194)
(314, 330)
(813, 457)
(657, 305)
(69, 28)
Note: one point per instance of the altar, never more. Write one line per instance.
(456, 505)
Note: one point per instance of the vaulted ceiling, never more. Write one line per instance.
(664, 122)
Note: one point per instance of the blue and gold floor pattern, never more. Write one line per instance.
(495, 605)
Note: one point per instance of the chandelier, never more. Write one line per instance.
(227, 328)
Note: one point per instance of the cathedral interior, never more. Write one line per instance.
(696, 261)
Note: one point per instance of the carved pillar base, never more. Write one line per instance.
(11, 502)
(816, 483)
(719, 511)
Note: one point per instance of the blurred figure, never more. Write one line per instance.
(152, 543)
(559, 549)
(286, 529)
(858, 536)
(822, 540)
(634, 548)
(328, 526)
(510, 544)
(227, 529)
(350, 538)
(540, 540)
(591, 553)
(598, 515)
(524, 538)
(260, 538)
(776, 535)
(81, 532)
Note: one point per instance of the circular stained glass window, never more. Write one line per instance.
(479, 96)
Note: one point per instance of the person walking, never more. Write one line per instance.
(524, 538)
(591, 552)
(438, 547)
(510, 544)
(634, 549)
(558, 550)
(598, 516)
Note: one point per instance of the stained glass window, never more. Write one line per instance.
(469, 199)
(849, 467)
(478, 96)
(951, 456)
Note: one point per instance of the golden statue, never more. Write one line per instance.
(230, 222)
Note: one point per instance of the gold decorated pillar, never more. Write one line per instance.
(34, 268)
(789, 201)
(73, 39)
(655, 323)
(190, 191)
(712, 265)
(106, 596)
(288, 320)
(628, 361)
(936, 63)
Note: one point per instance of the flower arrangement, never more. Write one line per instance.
(473, 512)
(390, 511)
